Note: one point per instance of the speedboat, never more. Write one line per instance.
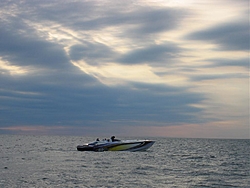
(117, 145)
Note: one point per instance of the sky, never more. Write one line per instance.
(167, 68)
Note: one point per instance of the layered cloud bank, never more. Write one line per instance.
(162, 68)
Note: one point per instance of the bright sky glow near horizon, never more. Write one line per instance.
(174, 68)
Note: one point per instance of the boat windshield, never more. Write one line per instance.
(93, 143)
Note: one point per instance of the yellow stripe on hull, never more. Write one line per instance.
(123, 147)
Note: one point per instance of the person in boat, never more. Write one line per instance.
(97, 140)
(105, 140)
(113, 139)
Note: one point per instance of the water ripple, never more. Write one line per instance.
(53, 161)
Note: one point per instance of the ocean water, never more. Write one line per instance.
(53, 161)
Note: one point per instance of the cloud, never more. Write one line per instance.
(96, 53)
(239, 66)
(151, 54)
(244, 62)
(101, 65)
(155, 20)
(30, 50)
(138, 21)
(217, 77)
(54, 100)
(130, 20)
(230, 36)
(92, 53)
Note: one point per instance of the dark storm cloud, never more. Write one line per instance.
(228, 36)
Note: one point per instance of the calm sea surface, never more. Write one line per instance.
(53, 161)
